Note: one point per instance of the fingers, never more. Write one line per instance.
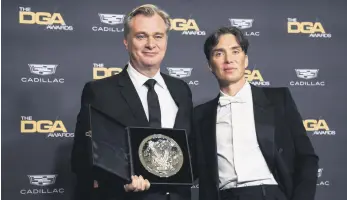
(138, 184)
(148, 184)
(130, 187)
(142, 184)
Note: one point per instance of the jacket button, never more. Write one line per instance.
(280, 150)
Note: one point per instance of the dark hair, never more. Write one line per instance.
(213, 39)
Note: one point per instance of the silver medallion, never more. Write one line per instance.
(160, 155)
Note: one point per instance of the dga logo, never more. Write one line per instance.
(52, 21)
(307, 74)
(100, 72)
(244, 24)
(41, 181)
(50, 128)
(179, 72)
(42, 70)
(321, 182)
(318, 127)
(313, 29)
(115, 20)
(255, 77)
(188, 27)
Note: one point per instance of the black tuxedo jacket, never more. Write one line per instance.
(116, 96)
(282, 139)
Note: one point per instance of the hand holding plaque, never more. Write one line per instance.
(138, 184)
(160, 155)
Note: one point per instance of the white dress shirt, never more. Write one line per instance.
(168, 107)
(240, 160)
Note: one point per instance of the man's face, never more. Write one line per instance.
(146, 41)
(228, 61)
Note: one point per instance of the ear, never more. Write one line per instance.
(125, 42)
(246, 61)
(209, 67)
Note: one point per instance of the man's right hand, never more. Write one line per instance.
(138, 184)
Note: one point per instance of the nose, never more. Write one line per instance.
(150, 43)
(228, 57)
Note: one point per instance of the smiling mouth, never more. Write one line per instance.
(150, 53)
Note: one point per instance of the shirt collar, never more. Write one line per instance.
(140, 79)
(244, 94)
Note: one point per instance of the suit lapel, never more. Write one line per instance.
(131, 97)
(208, 128)
(264, 124)
(175, 93)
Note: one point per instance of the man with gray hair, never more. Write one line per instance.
(138, 96)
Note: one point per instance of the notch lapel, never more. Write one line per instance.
(131, 97)
(264, 124)
(208, 128)
(176, 95)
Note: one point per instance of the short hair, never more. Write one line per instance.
(214, 37)
(146, 10)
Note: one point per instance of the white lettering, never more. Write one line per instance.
(107, 29)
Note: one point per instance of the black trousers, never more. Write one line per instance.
(261, 192)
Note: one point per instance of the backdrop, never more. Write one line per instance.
(51, 48)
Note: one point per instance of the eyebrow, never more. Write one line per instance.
(236, 47)
(156, 33)
(222, 49)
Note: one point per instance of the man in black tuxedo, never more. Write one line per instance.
(251, 142)
(138, 96)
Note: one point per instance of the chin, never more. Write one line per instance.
(150, 64)
(228, 81)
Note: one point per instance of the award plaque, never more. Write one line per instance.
(109, 145)
(160, 155)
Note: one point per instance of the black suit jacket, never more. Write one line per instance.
(282, 139)
(116, 96)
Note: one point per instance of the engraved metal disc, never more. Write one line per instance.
(161, 155)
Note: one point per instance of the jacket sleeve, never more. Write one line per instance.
(80, 160)
(306, 161)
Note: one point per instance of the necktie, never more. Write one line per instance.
(153, 105)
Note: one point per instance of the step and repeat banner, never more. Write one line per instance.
(51, 48)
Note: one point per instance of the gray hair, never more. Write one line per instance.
(146, 10)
